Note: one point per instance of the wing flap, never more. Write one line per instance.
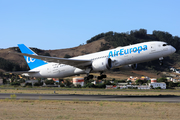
(68, 61)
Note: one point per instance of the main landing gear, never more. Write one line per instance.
(99, 77)
(89, 77)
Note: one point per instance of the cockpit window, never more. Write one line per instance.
(164, 44)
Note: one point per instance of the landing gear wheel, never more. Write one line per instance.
(103, 76)
(86, 78)
(90, 76)
(160, 62)
(99, 78)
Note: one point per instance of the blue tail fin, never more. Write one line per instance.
(32, 63)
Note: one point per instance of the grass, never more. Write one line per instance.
(92, 91)
(87, 110)
(13, 96)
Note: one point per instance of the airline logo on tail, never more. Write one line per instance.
(32, 62)
(29, 59)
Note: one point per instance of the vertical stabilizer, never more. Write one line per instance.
(32, 62)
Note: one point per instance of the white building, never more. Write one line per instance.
(78, 81)
(154, 84)
(111, 87)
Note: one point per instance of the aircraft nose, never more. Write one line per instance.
(173, 50)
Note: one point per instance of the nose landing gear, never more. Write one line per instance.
(161, 61)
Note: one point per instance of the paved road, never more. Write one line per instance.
(161, 98)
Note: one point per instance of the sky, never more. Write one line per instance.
(60, 24)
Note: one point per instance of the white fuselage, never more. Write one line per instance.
(120, 56)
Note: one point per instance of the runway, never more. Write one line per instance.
(73, 97)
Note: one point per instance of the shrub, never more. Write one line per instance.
(102, 85)
(49, 82)
(15, 83)
(37, 84)
(78, 86)
(90, 85)
(158, 88)
(28, 84)
(62, 85)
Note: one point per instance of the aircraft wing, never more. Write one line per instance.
(79, 63)
(21, 72)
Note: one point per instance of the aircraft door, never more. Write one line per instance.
(153, 47)
(49, 69)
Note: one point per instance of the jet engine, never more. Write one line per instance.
(102, 64)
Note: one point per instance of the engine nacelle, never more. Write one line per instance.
(102, 64)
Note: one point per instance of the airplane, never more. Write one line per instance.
(55, 67)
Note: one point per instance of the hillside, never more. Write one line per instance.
(95, 46)
(80, 50)
(101, 42)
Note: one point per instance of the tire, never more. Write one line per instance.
(103, 76)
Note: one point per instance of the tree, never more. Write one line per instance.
(8, 65)
(4, 81)
(97, 37)
(129, 81)
(162, 80)
(67, 83)
(15, 83)
(21, 80)
(90, 85)
(78, 86)
(12, 79)
(151, 87)
(47, 54)
(60, 81)
(62, 85)
(170, 85)
(139, 82)
(107, 82)
(49, 82)
(29, 84)
(67, 56)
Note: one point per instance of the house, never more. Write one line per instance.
(133, 79)
(31, 81)
(162, 85)
(144, 78)
(78, 81)
(111, 87)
